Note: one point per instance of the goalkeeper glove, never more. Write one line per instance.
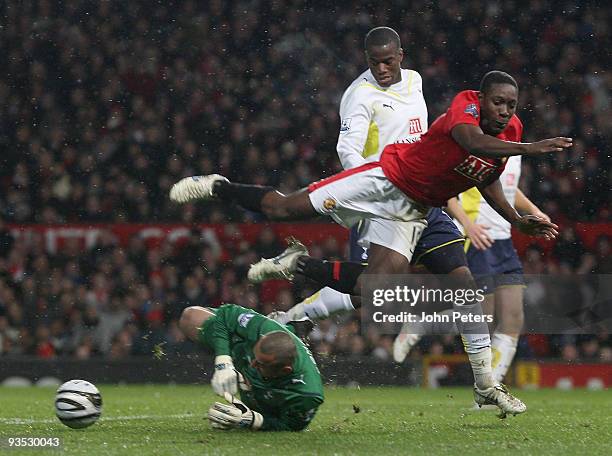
(226, 377)
(233, 415)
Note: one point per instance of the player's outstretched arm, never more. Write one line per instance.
(525, 206)
(476, 142)
(528, 224)
(477, 233)
(211, 330)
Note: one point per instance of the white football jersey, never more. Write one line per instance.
(372, 116)
(479, 210)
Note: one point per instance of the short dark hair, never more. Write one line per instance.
(280, 345)
(496, 77)
(381, 36)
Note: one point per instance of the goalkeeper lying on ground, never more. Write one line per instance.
(277, 377)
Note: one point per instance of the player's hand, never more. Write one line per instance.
(536, 226)
(549, 145)
(542, 215)
(226, 377)
(234, 414)
(479, 236)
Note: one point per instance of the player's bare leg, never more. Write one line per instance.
(509, 317)
(295, 206)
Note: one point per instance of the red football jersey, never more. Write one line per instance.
(436, 168)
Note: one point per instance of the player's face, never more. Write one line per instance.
(384, 62)
(265, 364)
(497, 106)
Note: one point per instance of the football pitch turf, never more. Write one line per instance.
(170, 420)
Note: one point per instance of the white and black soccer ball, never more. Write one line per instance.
(78, 404)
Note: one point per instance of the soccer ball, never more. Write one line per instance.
(78, 404)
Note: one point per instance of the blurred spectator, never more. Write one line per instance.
(568, 247)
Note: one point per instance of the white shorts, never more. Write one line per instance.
(402, 237)
(364, 193)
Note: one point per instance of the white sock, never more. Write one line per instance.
(481, 367)
(477, 345)
(503, 348)
(326, 303)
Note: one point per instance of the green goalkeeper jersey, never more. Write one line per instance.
(287, 403)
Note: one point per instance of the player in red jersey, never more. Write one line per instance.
(465, 147)
(446, 158)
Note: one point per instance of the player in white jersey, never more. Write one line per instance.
(373, 116)
(494, 264)
(384, 105)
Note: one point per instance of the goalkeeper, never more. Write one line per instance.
(277, 377)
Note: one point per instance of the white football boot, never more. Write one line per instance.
(500, 396)
(195, 187)
(279, 316)
(280, 267)
(404, 341)
(296, 313)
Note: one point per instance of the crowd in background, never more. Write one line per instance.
(104, 105)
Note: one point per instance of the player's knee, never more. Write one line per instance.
(277, 212)
(463, 278)
(511, 321)
(275, 206)
(357, 288)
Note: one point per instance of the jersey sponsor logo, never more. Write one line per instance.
(414, 126)
(475, 168)
(244, 318)
(345, 125)
(409, 140)
(472, 110)
(388, 105)
(510, 178)
(329, 204)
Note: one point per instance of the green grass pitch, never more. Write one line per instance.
(169, 420)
